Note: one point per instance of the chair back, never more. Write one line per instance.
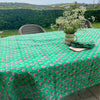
(30, 29)
(88, 24)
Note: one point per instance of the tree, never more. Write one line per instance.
(74, 6)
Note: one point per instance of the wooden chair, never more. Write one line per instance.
(30, 29)
(88, 24)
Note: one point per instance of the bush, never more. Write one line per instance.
(95, 13)
(15, 18)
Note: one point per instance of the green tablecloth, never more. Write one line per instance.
(42, 67)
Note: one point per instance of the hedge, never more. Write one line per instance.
(14, 18)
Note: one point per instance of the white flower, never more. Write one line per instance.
(93, 18)
(71, 19)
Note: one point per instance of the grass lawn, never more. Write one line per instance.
(96, 25)
(15, 32)
(9, 33)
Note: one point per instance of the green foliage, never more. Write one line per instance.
(74, 6)
(14, 18)
(95, 13)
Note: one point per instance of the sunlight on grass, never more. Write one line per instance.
(9, 33)
(15, 32)
(50, 30)
(96, 25)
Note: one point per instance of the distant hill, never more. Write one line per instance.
(33, 6)
(20, 5)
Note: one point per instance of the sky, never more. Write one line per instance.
(45, 2)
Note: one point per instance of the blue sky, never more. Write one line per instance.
(44, 2)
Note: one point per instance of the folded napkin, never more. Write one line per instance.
(87, 45)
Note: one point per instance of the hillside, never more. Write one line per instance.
(32, 6)
(20, 5)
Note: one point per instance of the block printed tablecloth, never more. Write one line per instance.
(42, 67)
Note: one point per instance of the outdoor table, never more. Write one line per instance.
(42, 67)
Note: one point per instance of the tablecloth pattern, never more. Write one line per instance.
(42, 67)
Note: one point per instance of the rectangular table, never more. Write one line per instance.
(42, 67)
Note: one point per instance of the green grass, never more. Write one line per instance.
(9, 33)
(15, 32)
(49, 30)
(96, 25)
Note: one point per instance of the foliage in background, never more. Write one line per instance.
(14, 18)
(95, 13)
(74, 6)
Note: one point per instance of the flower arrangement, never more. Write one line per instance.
(71, 20)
